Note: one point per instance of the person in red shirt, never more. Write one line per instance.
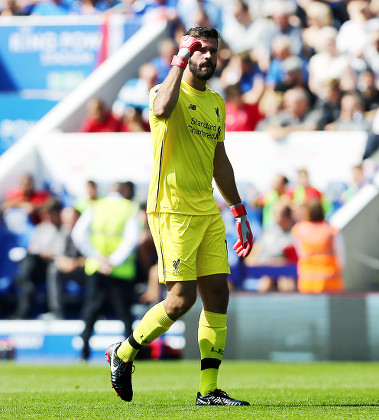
(240, 116)
(99, 118)
(133, 121)
(304, 191)
(27, 198)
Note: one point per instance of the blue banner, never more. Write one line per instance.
(58, 52)
(50, 54)
(18, 115)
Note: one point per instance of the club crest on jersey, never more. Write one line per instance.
(218, 114)
(193, 107)
(176, 265)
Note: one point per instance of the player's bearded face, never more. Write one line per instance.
(202, 71)
(203, 63)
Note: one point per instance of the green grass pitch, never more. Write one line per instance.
(166, 390)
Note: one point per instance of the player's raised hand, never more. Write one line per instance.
(188, 45)
(244, 242)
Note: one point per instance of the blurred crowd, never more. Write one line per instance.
(89, 257)
(66, 257)
(284, 66)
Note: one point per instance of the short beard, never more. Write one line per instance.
(202, 76)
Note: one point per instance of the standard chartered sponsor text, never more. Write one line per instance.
(194, 129)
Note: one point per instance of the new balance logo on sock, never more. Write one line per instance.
(219, 351)
(143, 341)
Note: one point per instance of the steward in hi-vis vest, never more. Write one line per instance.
(319, 268)
(107, 234)
(110, 216)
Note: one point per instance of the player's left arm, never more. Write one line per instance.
(224, 176)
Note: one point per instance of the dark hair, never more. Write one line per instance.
(316, 212)
(53, 205)
(202, 32)
(92, 183)
(127, 189)
(285, 180)
(287, 211)
(231, 90)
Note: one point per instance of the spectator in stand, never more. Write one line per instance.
(295, 75)
(351, 115)
(270, 105)
(302, 192)
(11, 8)
(358, 181)
(135, 92)
(329, 101)
(69, 265)
(27, 198)
(240, 116)
(158, 10)
(281, 50)
(245, 72)
(354, 35)
(45, 244)
(188, 11)
(133, 121)
(99, 118)
(371, 53)
(86, 201)
(50, 8)
(320, 252)
(107, 234)
(297, 115)
(167, 48)
(339, 10)
(241, 31)
(328, 63)
(275, 248)
(282, 15)
(267, 201)
(367, 87)
(318, 16)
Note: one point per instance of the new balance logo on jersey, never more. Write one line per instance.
(193, 107)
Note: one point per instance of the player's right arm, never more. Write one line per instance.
(168, 94)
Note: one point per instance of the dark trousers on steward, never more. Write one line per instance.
(103, 291)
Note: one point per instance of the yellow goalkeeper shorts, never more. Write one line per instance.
(188, 246)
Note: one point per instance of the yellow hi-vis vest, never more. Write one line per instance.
(108, 223)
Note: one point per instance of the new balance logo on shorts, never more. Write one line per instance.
(193, 107)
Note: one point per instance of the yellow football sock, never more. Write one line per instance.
(211, 336)
(153, 324)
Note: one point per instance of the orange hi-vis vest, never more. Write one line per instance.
(318, 268)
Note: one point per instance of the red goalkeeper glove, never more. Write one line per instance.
(188, 45)
(244, 242)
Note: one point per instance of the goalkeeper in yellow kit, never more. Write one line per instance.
(187, 123)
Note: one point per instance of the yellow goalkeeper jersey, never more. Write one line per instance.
(183, 147)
